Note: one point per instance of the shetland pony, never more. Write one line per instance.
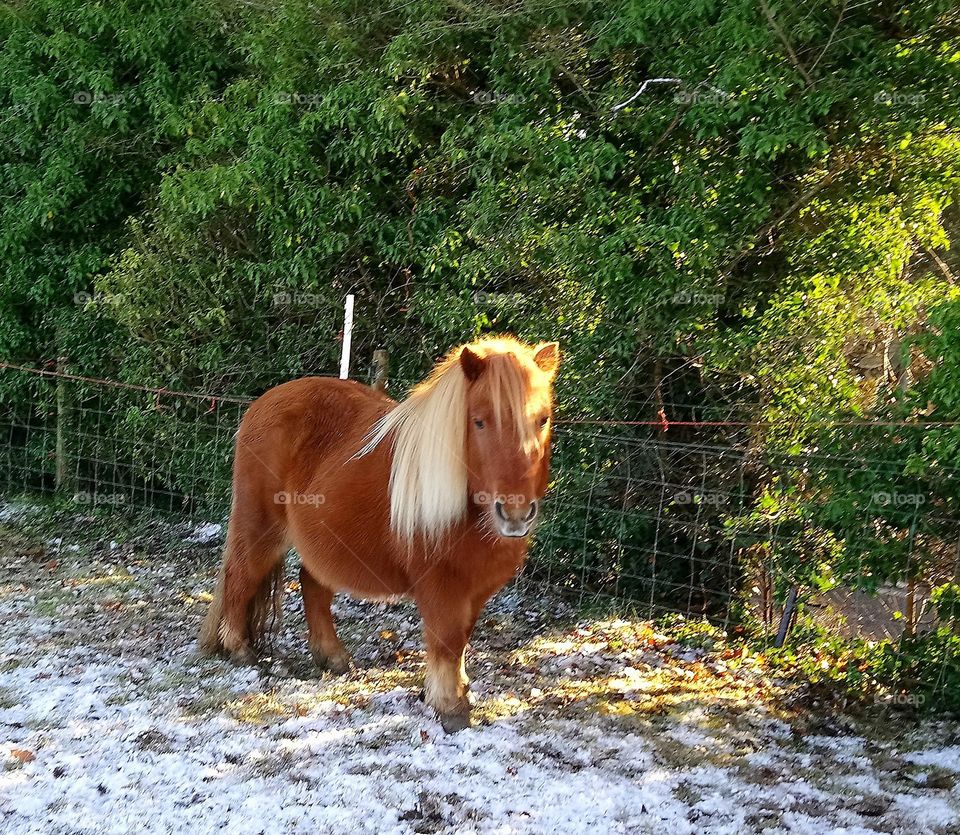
(432, 498)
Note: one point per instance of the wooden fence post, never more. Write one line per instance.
(381, 368)
(63, 477)
(789, 610)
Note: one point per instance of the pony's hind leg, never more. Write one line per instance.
(328, 652)
(245, 594)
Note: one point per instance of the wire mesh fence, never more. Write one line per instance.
(709, 525)
(696, 517)
(99, 444)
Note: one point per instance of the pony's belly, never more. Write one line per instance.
(354, 567)
(366, 578)
(369, 580)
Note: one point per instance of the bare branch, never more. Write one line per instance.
(786, 44)
(947, 274)
(843, 11)
(643, 87)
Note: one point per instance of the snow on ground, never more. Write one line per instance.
(205, 532)
(109, 722)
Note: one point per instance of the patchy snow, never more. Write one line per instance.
(11, 511)
(205, 533)
(109, 722)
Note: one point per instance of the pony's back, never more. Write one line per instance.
(313, 415)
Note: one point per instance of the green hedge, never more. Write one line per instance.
(192, 186)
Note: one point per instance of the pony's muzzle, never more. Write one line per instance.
(514, 520)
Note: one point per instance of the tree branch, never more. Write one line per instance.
(786, 44)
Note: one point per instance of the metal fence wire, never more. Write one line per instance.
(695, 518)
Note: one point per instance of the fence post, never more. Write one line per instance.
(910, 604)
(910, 608)
(381, 367)
(63, 478)
(347, 337)
(789, 607)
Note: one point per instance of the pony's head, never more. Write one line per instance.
(508, 411)
(475, 432)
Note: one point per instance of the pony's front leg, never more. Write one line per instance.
(447, 625)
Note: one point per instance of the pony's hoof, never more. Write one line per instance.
(336, 664)
(208, 649)
(244, 657)
(453, 722)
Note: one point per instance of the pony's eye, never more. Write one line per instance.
(478, 424)
(544, 420)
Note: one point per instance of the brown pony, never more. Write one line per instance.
(432, 498)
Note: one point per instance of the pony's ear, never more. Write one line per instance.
(472, 364)
(547, 357)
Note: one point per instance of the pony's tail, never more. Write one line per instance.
(265, 612)
(266, 608)
(210, 639)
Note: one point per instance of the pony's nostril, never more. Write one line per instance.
(533, 512)
(498, 508)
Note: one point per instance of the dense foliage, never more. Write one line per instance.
(725, 209)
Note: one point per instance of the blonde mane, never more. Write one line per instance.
(428, 473)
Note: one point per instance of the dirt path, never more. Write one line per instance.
(109, 722)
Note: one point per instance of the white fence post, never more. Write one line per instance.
(347, 337)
